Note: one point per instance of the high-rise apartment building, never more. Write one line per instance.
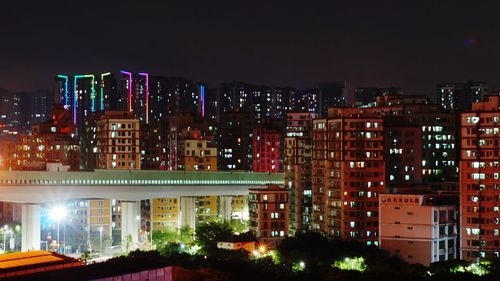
(151, 150)
(10, 113)
(331, 94)
(348, 174)
(235, 139)
(458, 97)
(268, 210)
(298, 169)
(305, 100)
(262, 102)
(480, 180)
(266, 150)
(118, 141)
(437, 159)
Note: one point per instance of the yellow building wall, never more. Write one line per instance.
(99, 212)
(206, 208)
(165, 213)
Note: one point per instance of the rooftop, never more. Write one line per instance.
(15, 264)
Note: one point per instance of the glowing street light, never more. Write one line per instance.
(262, 249)
(58, 213)
(5, 230)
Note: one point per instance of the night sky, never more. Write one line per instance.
(408, 44)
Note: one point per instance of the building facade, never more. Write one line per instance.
(268, 210)
(479, 180)
(298, 169)
(348, 174)
(418, 228)
(118, 141)
(266, 150)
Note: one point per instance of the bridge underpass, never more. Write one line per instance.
(35, 188)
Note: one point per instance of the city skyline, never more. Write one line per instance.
(311, 141)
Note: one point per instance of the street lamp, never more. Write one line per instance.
(58, 213)
(100, 238)
(5, 228)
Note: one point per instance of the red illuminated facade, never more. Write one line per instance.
(266, 150)
(348, 174)
(268, 209)
(480, 180)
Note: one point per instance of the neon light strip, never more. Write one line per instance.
(202, 95)
(129, 89)
(102, 89)
(66, 96)
(92, 94)
(147, 95)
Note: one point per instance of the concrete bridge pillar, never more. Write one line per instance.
(225, 207)
(187, 212)
(30, 227)
(130, 220)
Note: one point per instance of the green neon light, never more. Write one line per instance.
(102, 89)
(92, 94)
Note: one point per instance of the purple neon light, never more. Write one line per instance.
(129, 89)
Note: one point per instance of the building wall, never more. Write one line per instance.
(165, 213)
(298, 169)
(118, 142)
(479, 181)
(268, 210)
(348, 174)
(266, 147)
(416, 229)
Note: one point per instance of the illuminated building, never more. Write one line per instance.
(479, 180)
(348, 174)
(195, 153)
(298, 169)
(402, 153)
(170, 96)
(235, 141)
(438, 132)
(266, 150)
(306, 100)
(118, 141)
(239, 205)
(10, 113)
(206, 208)
(331, 94)
(100, 221)
(49, 142)
(418, 228)
(212, 103)
(165, 213)
(458, 97)
(262, 102)
(150, 148)
(268, 211)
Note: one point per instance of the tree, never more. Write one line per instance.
(209, 233)
(239, 226)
